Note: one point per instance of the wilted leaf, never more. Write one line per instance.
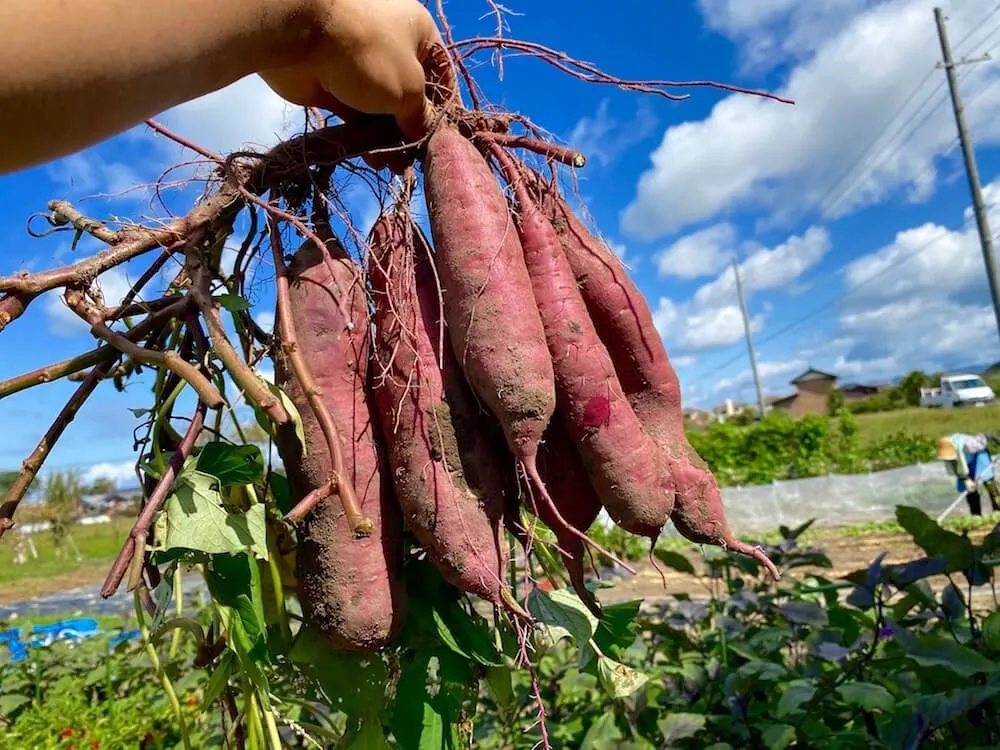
(939, 651)
(619, 680)
(675, 727)
(193, 518)
(232, 464)
(796, 693)
(867, 696)
(674, 560)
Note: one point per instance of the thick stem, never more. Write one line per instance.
(567, 156)
(169, 360)
(156, 499)
(249, 382)
(339, 483)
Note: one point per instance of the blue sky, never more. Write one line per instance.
(848, 212)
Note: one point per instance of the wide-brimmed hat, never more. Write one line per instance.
(945, 450)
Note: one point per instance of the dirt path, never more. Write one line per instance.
(32, 586)
(846, 553)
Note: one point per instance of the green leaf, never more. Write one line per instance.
(217, 682)
(778, 736)
(416, 722)
(796, 693)
(370, 736)
(11, 703)
(232, 302)
(991, 631)
(232, 464)
(802, 612)
(867, 696)
(938, 651)
(563, 609)
(619, 680)
(355, 683)
(675, 727)
(957, 550)
(603, 734)
(282, 492)
(674, 560)
(463, 635)
(617, 627)
(140, 412)
(194, 519)
(500, 680)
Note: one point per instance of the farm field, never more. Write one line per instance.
(929, 422)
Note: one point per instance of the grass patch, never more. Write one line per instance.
(98, 545)
(929, 422)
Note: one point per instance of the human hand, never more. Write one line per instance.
(369, 57)
(970, 486)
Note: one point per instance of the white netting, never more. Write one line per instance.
(837, 500)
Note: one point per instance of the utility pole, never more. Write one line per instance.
(982, 221)
(746, 329)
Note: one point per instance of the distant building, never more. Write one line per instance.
(812, 391)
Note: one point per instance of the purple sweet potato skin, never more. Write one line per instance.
(446, 470)
(624, 464)
(625, 324)
(350, 589)
(572, 492)
(495, 329)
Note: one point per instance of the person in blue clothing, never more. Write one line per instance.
(968, 459)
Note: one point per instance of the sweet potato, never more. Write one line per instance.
(572, 493)
(625, 325)
(447, 476)
(495, 328)
(351, 589)
(624, 464)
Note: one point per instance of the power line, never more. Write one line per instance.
(890, 148)
(841, 297)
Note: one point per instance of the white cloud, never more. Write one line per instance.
(751, 153)
(113, 285)
(122, 474)
(245, 113)
(602, 138)
(770, 31)
(769, 268)
(688, 327)
(87, 172)
(703, 253)
(265, 319)
(711, 318)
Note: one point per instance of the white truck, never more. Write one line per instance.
(957, 390)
